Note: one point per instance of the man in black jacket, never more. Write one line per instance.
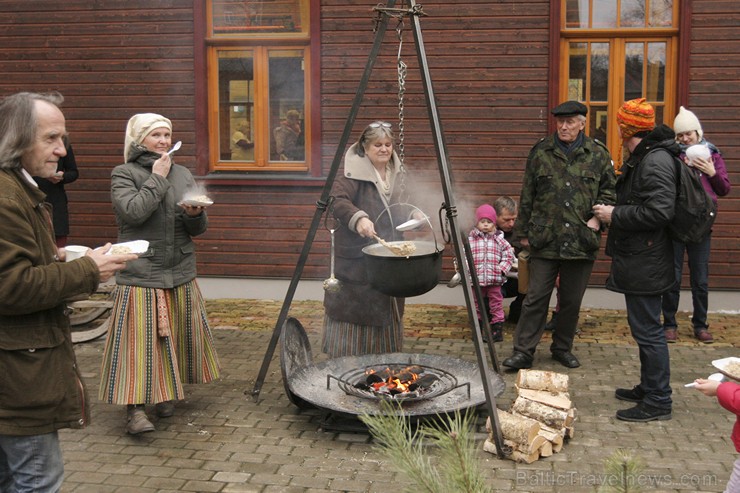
(642, 252)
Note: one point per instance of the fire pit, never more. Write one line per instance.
(397, 383)
(340, 387)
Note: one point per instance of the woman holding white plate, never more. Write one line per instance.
(159, 337)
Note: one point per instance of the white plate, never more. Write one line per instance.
(721, 365)
(136, 246)
(196, 203)
(411, 224)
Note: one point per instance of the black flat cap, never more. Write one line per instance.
(570, 108)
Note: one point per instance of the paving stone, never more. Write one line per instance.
(221, 440)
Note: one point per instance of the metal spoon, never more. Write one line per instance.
(457, 278)
(332, 284)
(175, 147)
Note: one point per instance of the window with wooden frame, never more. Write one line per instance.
(258, 59)
(612, 51)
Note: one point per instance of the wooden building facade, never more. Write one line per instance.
(497, 66)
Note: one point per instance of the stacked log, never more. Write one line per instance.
(540, 419)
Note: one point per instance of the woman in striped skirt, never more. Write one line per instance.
(159, 338)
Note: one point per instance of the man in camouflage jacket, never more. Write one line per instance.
(567, 173)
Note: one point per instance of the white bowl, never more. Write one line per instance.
(73, 252)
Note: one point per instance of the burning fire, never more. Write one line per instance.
(393, 382)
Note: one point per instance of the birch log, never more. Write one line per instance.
(550, 416)
(516, 455)
(561, 400)
(519, 429)
(542, 380)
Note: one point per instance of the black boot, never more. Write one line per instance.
(515, 309)
(497, 332)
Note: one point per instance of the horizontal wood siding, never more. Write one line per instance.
(488, 61)
(714, 95)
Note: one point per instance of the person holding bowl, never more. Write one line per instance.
(159, 337)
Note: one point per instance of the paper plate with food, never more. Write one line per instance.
(728, 366)
(136, 246)
(196, 200)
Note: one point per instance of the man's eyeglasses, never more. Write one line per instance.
(380, 124)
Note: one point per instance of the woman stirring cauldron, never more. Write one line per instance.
(159, 336)
(359, 319)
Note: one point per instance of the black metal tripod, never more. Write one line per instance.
(462, 250)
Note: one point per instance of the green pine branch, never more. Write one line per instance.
(453, 439)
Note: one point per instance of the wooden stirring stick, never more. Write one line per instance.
(403, 250)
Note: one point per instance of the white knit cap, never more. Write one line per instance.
(139, 126)
(686, 121)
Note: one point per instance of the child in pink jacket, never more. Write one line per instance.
(728, 396)
(493, 257)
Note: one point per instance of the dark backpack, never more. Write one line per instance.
(695, 210)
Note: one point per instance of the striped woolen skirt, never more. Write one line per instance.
(349, 339)
(141, 365)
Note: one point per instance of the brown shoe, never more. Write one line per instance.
(671, 335)
(704, 336)
(137, 421)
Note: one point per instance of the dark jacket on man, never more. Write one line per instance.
(638, 241)
(558, 192)
(41, 389)
(55, 193)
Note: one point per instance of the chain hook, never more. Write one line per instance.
(402, 72)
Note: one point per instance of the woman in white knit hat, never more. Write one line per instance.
(159, 337)
(714, 177)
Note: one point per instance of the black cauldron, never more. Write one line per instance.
(403, 277)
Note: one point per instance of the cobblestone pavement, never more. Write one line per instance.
(221, 440)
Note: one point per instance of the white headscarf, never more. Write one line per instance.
(139, 126)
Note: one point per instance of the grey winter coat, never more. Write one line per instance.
(146, 208)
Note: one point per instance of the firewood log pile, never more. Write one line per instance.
(540, 419)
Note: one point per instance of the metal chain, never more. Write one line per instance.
(402, 71)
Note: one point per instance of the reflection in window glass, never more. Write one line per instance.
(598, 122)
(599, 71)
(576, 13)
(614, 14)
(656, 71)
(634, 62)
(632, 13)
(661, 13)
(236, 105)
(605, 14)
(255, 17)
(659, 115)
(287, 105)
(577, 72)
